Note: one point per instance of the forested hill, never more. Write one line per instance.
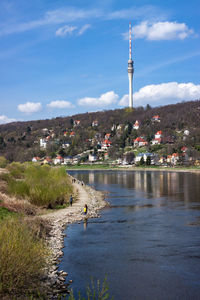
(20, 141)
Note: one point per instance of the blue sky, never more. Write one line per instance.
(61, 57)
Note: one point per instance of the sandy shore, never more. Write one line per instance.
(55, 280)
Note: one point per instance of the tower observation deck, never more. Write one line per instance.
(130, 69)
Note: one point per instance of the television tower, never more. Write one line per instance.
(130, 69)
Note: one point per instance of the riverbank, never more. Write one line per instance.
(133, 168)
(55, 280)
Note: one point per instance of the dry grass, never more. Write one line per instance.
(22, 258)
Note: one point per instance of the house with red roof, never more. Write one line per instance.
(156, 118)
(58, 160)
(76, 122)
(106, 144)
(72, 134)
(36, 159)
(107, 136)
(157, 139)
(140, 142)
(136, 125)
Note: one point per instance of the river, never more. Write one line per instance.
(147, 242)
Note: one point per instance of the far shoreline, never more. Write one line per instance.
(157, 169)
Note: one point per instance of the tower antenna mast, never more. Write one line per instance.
(130, 68)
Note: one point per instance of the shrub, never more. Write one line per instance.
(22, 258)
(16, 170)
(43, 185)
(3, 162)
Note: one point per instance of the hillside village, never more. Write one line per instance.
(100, 147)
(165, 136)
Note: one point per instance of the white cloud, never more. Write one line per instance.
(84, 28)
(161, 31)
(104, 100)
(58, 16)
(72, 14)
(29, 107)
(60, 104)
(4, 120)
(164, 93)
(63, 31)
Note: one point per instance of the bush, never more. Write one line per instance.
(16, 170)
(43, 185)
(3, 162)
(22, 258)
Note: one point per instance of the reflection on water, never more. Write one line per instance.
(147, 241)
(181, 186)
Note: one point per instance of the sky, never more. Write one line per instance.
(62, 57)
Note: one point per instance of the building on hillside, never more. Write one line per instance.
(186, 132)
(154, 158)
(76, 122)
(76, 159)
(113, 128)
(106, 156)
(119, 127)
(65, 145)
(45, 131)
(105, 145)
(157, 138)
(136, 125)
(68, 160)
(47, 161)
(107, 136)
(140, 142)
(43, 143)
(36, 159)
(158, 134)
(184, 149)
(72, 134)
(156, 141)
(58, 160)
(95, 123)
(155, 118)
(92, 158)
(175, 158)
(128, 157)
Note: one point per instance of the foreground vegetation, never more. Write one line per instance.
(22, 258)
(25, 189)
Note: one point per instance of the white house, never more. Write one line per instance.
(136, 125)
(158, 134)
(92, 158)
(36, 159)
(154, 157)
(43, 143)
(95, 123)
(68, 160)
(140, 142)
(58, 160)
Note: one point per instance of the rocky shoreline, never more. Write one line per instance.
(54, 280)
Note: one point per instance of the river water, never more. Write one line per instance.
(147, 242)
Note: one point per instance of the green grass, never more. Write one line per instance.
(42, 185)
(90, 167)
(4, 213)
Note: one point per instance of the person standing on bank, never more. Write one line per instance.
(85, 209)
(71, 200)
